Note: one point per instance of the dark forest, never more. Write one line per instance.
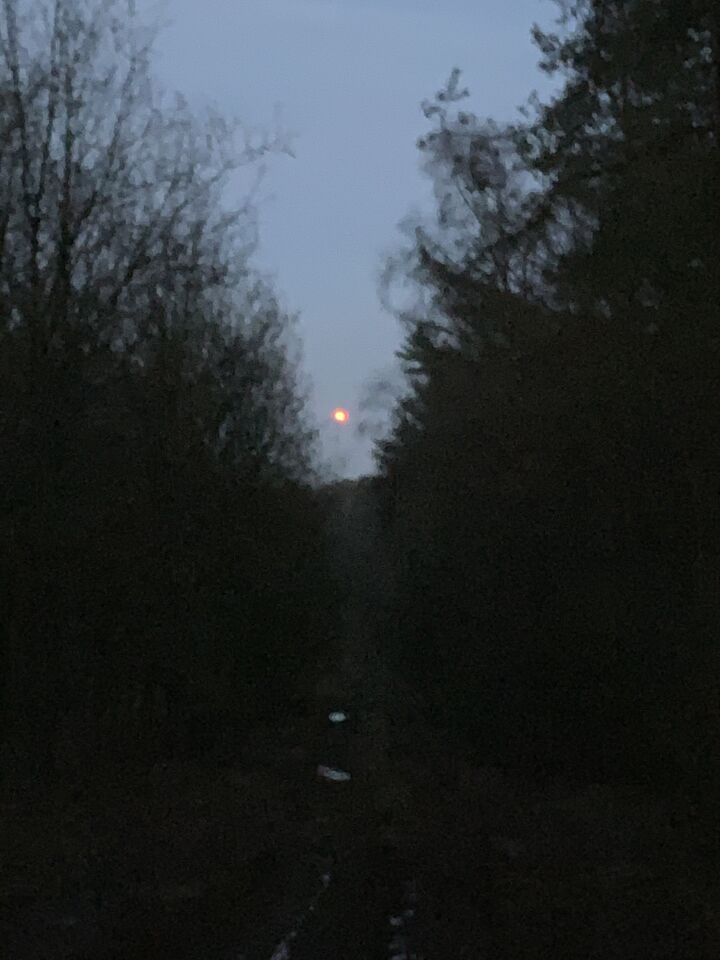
(507, 633)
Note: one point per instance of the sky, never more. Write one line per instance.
(347, 77)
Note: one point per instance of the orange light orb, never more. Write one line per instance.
(340, 416)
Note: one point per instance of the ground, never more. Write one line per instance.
(197, 860)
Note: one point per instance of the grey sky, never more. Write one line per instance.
(349, 76)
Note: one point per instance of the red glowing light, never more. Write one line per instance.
(340, 416)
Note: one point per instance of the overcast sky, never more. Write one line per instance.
(349, 76)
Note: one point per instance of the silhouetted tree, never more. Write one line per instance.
(546, 479)
(163, 558)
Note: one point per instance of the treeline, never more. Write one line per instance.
(550, 485)
(162, 555)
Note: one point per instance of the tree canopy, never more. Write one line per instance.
(550, 478)
(162, 549)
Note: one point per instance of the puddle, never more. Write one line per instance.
(330, 773)
(283, 950)
(400, 944)
(337, 716)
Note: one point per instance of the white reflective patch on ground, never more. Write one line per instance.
(329, 773)
(282, 952)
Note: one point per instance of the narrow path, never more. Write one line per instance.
(353, 920)
(363, 907)
(366, 908)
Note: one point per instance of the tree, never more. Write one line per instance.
(547, 469)
(162, 543)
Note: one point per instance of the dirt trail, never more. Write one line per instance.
(190, 860)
